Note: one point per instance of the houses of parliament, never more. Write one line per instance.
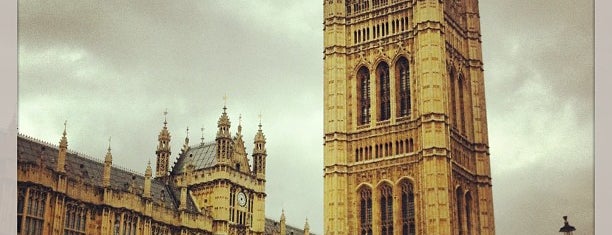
(212, 188)
(405, 145)
(405, 130)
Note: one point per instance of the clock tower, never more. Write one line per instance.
(405, 129)
(224, 182)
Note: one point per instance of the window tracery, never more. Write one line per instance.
(408, 215)
(35, 211)
(403, 80)
(75, 219)
(363, 77)
(385, 90)
(365, 212)
(386, 210)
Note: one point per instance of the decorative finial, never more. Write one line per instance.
(187, 132)
(65, 122)
(165, 115)
(109, 144)
(224, 102)
(240, 120)
(202, 139)
(260, 120)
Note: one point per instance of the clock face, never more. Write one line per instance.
(241, 199)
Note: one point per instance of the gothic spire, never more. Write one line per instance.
(64, 140)
(223, 124)
(63, 148)
(260, 140)
(163, 149)
(259, 153)
(224, 139)
(108, 162)
(283, 223)
(186, 144)
(109, 155)
(148, 171)
(306, 227)
(147, 181)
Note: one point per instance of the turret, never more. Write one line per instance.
(147, 181)
(108, 163)
(223, 139)
(63, 148)
(163, 150)
(259, 154)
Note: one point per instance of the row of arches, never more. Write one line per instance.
(75, 219)
(383, 97)
(384, 150)
(387, 197)
(463, 212)
(357, 6)
(380, 30)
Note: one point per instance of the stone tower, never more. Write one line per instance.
(406, 145)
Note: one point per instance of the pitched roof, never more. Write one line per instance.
(90, 170)
(201, 156)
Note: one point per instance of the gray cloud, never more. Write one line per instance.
(111, 68)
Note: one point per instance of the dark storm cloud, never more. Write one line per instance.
(539, 81)
(111, 68)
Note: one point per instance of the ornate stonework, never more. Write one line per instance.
(210, 189)
(406, 145)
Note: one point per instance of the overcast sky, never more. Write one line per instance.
(112, 67)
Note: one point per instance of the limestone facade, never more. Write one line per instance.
(212, 188)
(405, 132)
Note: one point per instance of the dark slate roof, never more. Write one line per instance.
(271, 227)
(201, 156)
(90, 170)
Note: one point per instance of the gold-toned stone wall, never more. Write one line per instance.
(441, 147)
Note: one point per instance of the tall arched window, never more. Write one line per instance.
(35, 214)
(365, 212)
(453, 104)
(386, 210)
(408, 224)
(363, 77)
(74, 219)
(468, 211)
(461, 102)
(459, 209)
(384, 91)
(403, 84)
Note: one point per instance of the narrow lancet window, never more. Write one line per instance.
(403, 84)
(453, 104)
(363, 77)
(468, 211)
(384, 91)
(365, 212)
(386, 210)
(458, 210)
(408, 224)
(461, 102)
